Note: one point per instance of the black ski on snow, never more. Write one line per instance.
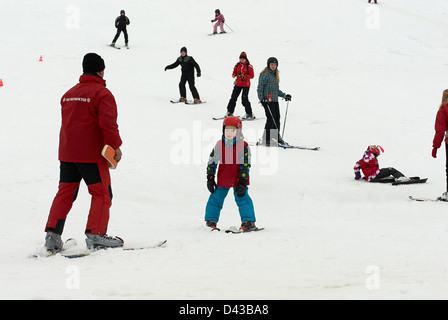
(412, 181)
(215, 34)
(187, 102)
(426, 199)
(288, 146)
(109, 45)
(391, 180)
(242, 119)
(192, 102)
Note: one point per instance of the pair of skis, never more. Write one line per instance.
(113, 46)
(70, 243)
(394, 182)
(287, 146)
(235, 230)
(426, 199)
(242, 118)
(187, 102)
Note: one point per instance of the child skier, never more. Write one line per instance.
(220, 18)
(233, 155)
(120, 23)
(369, 166)
(243, 72)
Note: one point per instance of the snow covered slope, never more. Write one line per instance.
(359, 74)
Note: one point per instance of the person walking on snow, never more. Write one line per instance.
(243, 72)
(369, 166)
(441, 129)
(220, 18)
(89, 121)
(232, 154)
(188, 64)
(120, 23)
(268, 92)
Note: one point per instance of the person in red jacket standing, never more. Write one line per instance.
(243, 72)
(89, 121)
(441, 127)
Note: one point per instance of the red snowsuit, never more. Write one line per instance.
(89, 121)
(369, 166)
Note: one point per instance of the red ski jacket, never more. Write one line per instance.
(441, 126)
(243, 73)
(89, 121)
(369, 166)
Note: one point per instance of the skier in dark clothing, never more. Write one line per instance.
(188, 64)
(120, 23)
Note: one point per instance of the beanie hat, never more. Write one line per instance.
(92, 63)
(183, 49)
(243, 55)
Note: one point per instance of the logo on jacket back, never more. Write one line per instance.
(76, 99)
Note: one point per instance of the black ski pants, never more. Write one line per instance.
(125, 32)
(244, 99)
(184, 78)
(272, 126)
(387, 172)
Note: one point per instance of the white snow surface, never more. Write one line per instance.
(358, 74)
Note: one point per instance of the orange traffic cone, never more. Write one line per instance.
(1, 83)
(40, 59)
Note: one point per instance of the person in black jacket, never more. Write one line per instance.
(188, 64)
(120, 23)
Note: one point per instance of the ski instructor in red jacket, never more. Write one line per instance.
(89, 121)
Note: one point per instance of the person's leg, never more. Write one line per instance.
(245, 101)
(245, 206)
(233, 99)
(182, 89)
(215, 204)
(68, 190)
(97, 178)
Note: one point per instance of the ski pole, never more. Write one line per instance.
(228, 27)
(284, 122)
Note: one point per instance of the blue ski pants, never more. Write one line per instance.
(216, 202)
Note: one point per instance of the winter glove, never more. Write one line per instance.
(241, 188)
(211, 184)
(357, 175)
(434, 152)
(288, 97)
(198, 74)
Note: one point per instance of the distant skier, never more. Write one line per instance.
(268, 92)
(441, 127)
(188, 64)
(373, 0)
(121, 23)
(369, 166)
(243, 72)
(220, 18)
(232, 154)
